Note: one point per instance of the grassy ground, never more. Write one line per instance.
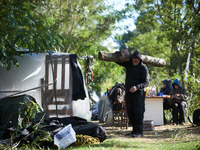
(166, 137)
(163, 137)
(118, 144)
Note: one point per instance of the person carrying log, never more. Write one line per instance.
(120, 56)
(137, 79)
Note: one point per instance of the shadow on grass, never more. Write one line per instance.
(158, 134)
(168, 133)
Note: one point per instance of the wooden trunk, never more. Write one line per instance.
(122, 57)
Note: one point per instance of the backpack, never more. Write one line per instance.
(116, 94)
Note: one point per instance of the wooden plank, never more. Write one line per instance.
(55, 63)
(60, 93)
(60, 112)
(58, 103)
(65, 94)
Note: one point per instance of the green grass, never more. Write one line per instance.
(118, 144)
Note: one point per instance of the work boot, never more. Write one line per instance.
(138, 135)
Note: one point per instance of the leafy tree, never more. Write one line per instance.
(178, 23)
(170, 29)
(84, 26)
(122, 40)
(24, 25)
(72, 26)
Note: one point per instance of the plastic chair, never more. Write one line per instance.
(186, 108)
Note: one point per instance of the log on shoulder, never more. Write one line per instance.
(122, 57)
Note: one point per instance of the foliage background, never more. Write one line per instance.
(164, 29)
(169, 30)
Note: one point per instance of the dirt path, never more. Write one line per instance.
(165, 133)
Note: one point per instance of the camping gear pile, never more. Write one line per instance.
(105, 110)
(22, 121)
(56, 82)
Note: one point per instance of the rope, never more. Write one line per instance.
(27, 90)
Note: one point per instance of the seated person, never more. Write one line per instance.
(116, 94)
(178, 96)
(166, 90)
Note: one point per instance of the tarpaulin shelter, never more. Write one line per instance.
(35, 73)
(19, 110)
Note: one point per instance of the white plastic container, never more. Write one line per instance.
(65, 137)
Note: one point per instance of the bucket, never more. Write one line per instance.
(148, 125)
(65, 137)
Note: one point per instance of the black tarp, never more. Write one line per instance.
(12, 109)
(80, 126)
(54, 125)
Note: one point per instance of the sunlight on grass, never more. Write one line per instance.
(117, 144)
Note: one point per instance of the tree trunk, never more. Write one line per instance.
(122, 57)
(171, 62)
(189, 86)
(192, 56)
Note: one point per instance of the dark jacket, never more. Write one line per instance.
(168, 88)
(183, 94)
(136, 75)
(78, 91)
